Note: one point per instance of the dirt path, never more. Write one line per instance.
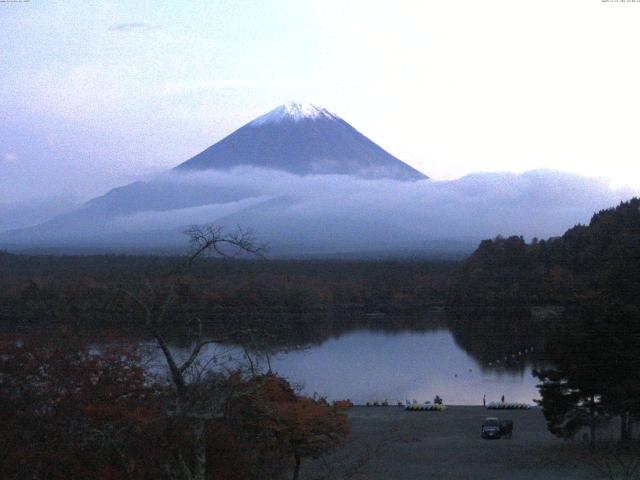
(391, 443)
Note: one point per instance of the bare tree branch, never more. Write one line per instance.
(194, 354)
(204, 238)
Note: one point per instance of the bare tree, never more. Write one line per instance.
(211, 238)
(196, 402)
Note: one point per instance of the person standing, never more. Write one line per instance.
(502, 399)
(484, 400)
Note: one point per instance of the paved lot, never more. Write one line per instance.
(391, 443)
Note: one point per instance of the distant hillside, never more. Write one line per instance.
(583, 264)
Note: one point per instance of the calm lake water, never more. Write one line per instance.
(368, 366)
(373, 365)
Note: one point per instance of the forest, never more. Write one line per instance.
(37, 288)
(586, 262)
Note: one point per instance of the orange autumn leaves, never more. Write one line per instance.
(70, 411)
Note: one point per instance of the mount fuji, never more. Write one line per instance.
(288, 144)
(308, 183)
(302, 139)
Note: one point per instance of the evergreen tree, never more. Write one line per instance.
(596, 371)
(571, 392)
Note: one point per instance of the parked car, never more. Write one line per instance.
(490, 428)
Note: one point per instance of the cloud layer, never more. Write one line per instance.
(131, 27)
(319, 214)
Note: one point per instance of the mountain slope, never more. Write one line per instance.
(302, 139)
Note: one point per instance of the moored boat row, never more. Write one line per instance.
(508, 406)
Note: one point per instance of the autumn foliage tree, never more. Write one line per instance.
(308, 428)
(70, 411)
(278, 423)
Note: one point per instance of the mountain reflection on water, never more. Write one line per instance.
(459, 356)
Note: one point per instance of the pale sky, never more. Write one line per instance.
(94, 94)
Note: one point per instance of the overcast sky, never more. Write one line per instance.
(96, 94)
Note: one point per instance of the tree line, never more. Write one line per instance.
(44, 289)
(578, 267)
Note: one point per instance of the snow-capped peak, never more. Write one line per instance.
(293, 111)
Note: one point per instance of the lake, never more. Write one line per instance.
(367, 365)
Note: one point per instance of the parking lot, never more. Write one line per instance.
(391, 443)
